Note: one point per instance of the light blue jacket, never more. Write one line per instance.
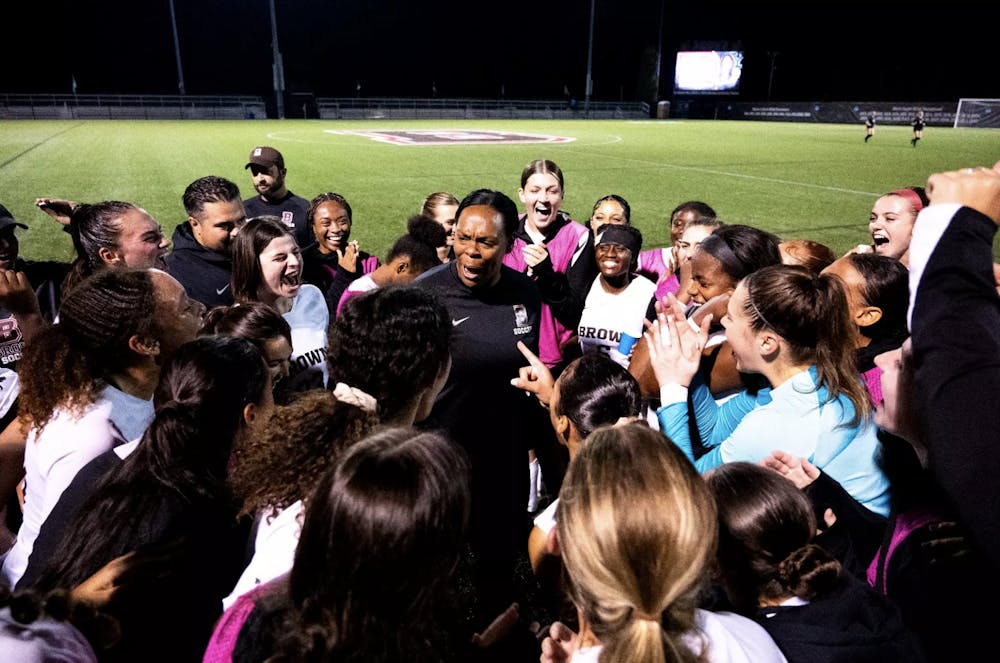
(796, 417)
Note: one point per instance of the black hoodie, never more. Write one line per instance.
(204, 273)
(851, 624)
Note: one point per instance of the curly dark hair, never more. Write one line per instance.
(282, 462)
(182, 457)
(65, 364)
(391, 343)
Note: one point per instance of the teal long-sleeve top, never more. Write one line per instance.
(797, 417)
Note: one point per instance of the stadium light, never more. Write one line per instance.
(770, 79)
(278, 66)
(177, 53)
(590, 58)
(659, 55)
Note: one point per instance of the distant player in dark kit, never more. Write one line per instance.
(918, 128)
(870, 125)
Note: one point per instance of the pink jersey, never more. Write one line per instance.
(564, 248)
(653, 263)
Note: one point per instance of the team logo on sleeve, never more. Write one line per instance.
(11, 341)
(521, 326)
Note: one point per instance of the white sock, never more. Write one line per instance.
(535, 475)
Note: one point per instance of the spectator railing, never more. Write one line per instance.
(130, 106)
(398, 108)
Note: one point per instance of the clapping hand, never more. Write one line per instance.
(674, 347)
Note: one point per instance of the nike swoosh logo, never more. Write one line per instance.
(222, 289)
(455, 323)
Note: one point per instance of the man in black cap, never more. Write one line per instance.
(29, 291)
(267, 167)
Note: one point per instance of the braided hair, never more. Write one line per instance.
(182, 457)
(766, 528)
(65, 364)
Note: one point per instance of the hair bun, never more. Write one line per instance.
(172, 406)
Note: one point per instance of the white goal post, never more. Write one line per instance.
(978, 113)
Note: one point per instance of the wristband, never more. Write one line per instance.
(673, 393)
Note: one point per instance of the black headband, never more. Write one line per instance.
(627, 236)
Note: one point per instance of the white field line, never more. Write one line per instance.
(657, 164)
(724, 173)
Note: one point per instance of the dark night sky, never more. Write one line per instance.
(885, 50)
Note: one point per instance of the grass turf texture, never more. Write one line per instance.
(800, 181)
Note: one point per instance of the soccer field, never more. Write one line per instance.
(797, 180)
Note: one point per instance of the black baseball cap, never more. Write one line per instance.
(7, 219)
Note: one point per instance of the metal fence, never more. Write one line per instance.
(219, 107)
(130, 107)
(379, 108)
(201, 107)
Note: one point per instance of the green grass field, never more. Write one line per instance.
(797, 180)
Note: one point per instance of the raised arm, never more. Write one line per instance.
(955, 332)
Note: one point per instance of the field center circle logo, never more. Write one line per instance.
(453, 137)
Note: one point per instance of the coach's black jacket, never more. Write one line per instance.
(204, 273)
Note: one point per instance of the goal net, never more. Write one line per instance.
(978, 113)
